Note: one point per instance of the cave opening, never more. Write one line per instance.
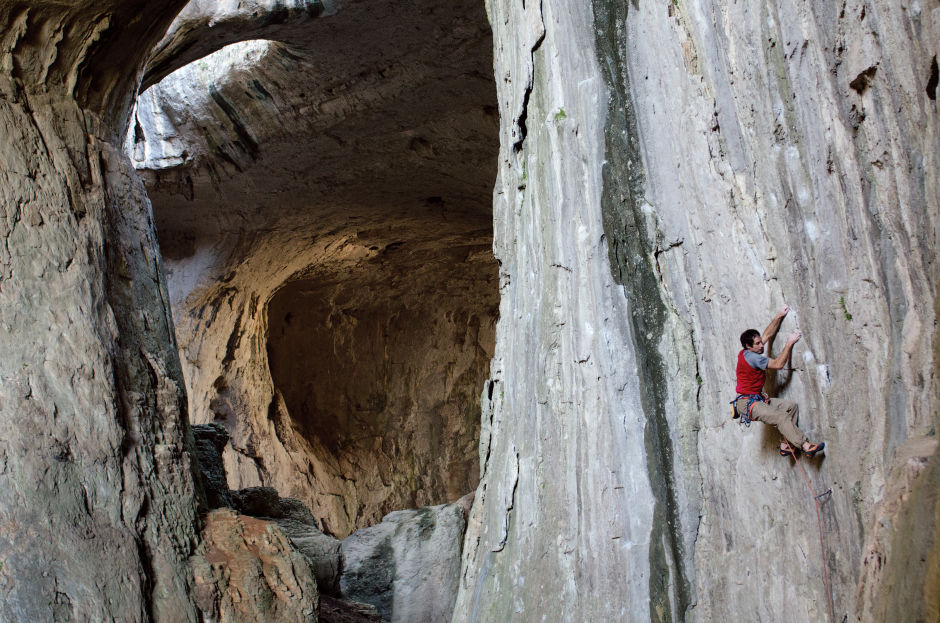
(381, 366)
(322, 198)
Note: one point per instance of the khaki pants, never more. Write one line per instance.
(780, 413)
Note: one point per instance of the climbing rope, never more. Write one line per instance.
(822, 543)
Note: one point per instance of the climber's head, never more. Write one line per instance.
(752, 341)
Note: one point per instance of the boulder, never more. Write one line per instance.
(210, 440)
(321, 552)
(246, 570)
(408, 565)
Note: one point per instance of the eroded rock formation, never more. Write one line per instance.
(323, 208)
(263, 558)
(408, 566)
(246, 570)
(669, 173)
(94, 464)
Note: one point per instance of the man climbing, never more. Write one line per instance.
(753, 404)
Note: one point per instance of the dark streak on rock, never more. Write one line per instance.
(933, 79)
(372, 583)
(260, 90)
(512, 505)
(233, 341)
(246, 140)
(630, 253)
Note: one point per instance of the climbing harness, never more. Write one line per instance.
(822, 543)
(751, 399)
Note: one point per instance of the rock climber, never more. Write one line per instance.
(753, 404)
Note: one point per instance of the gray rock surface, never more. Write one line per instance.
(97, 501)
(903, 523)
(670, 174)
(209, 442)
(205, 26)
(323, 553)
(408, 565)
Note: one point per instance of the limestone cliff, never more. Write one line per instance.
(671, 173)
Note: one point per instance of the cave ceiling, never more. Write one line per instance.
(375, 113)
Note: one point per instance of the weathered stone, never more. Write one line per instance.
(210, 440)
(334, 610)
(669, 175)
(323, 553)
(205, 26)
(323, 206)
(97, 500)
(408, 565)
(901, 558)
(258, 501)
(246, 570)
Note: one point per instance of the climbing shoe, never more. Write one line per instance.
(814, 448)
(787, 450)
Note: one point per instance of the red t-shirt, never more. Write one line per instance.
(750, 380)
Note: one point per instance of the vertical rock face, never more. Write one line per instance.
(561, 524)
(93, 460)
(900, 571)
(670, 174)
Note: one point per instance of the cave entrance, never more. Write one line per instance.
(323, 201)
(381, 366)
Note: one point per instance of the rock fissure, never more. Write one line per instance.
(511, 503)
(520, 121)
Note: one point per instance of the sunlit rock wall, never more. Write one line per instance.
(323, 207)
(670, 174)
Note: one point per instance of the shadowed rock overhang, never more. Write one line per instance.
(321, 185)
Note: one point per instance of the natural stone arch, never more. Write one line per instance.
(205, 26)
(372, 165)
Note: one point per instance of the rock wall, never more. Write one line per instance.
(670, 174)
(94, 465)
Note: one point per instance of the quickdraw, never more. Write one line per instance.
(751, 399)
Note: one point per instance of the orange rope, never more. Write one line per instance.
(822, 543)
